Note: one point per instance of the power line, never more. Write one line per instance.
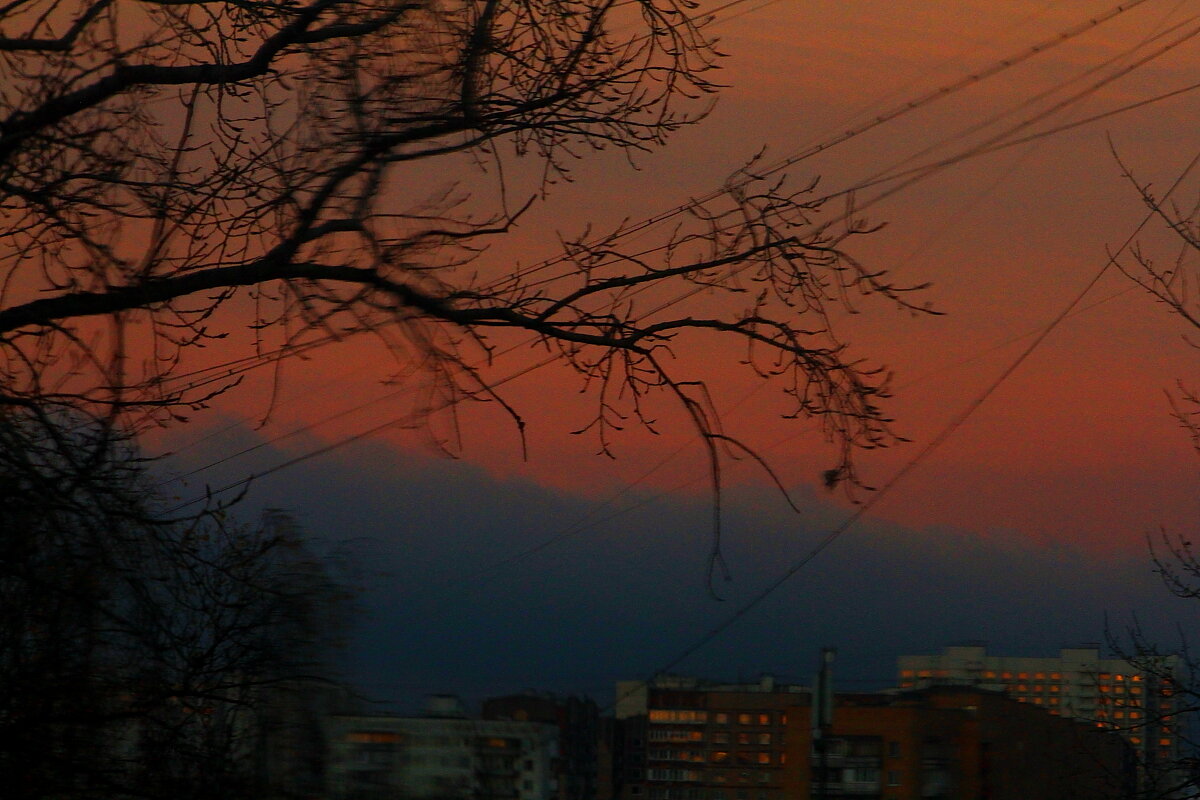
(893, 113)
(340, 443)
(954, 424)
(231, 369)
(924, 171)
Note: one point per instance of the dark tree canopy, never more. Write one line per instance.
(140, 657)
(172, 170)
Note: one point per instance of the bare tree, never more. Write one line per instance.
(142, 658)
(1168, 737)
(173, 170)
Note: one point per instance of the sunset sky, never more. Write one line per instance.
(567, 570)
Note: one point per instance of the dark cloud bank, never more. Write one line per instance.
(454, 601)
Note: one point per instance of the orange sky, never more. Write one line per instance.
(1077, 446)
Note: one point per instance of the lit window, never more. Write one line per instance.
(673, 715)
(1118, 677)
(1006, 675)
(1041, 676)
(1135, 678)
(989, 674)
(721, 718)
(1164, 742)
(719, 756)
(1037, 701)
(764, 758)
(1056, 676)
(744, 719)
(764, 719)
(1135, 740)
(1023, 676)
(907, 673)
(1054, 689)
(925, 673)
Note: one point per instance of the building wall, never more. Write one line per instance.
(707, 742)
(691, 740)
(957, 743)
(577, 720)
(378, 757)
(1107, 692)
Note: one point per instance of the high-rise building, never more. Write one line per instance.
(1110, 693)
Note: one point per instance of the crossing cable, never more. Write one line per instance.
(918, 170)
(954, 424)
(913, 175)
(1042, 95)
(246, 363)
(1001, 140)
(893, 113)
(590, 521)
(923, 172)
(340, 443)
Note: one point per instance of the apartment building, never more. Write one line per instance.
(442, 755)
(688, 739)
(577, 720)
(1107, 692)
(951, 742)
(685, 739)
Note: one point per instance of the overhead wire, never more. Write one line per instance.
(342, 442)
(889, 115)
(942, 164)
(928, 449)
(895, 112)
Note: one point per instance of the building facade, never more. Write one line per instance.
(683, 739)
(577, 720)
(687, 739)
(953, 743)
(440, 758)
(1107, 692)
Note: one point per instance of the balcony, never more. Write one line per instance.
(857, 788)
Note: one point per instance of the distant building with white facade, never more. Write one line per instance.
(1078, 683)
(440, 756)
